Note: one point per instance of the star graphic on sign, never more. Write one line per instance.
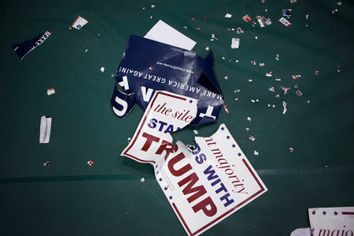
(233, 145)
(190, 101)
(227, 137)
(165, 188)
(222, 128)
(313, 212)
(324, 212)
(160, 179)
(239, 154)
(335, 213)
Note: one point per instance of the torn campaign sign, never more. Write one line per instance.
(149, 65)
(22, 49)
(204, 186)
(332, 221)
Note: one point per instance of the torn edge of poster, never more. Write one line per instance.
(203, 186)
(45, 129)
(301, 232)
(332, 221)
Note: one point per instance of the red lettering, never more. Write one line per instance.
(207, 206)
(180, 171)
(167, 147)
(149, 139)
(197, 191)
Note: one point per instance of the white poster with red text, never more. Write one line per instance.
(203, 186)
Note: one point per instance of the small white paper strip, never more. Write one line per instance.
(79, 23)
(336, 221)
(164, 33)
(235, 43)
(45, 127)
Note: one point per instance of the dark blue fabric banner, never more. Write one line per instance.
(148, 66)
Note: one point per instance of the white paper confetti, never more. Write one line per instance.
(50, 91)
(228, 15)
(285, 22)
(269, 74)
(235, 43)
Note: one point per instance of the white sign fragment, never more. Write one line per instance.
(164, 33)
(204, 184)
(301, 232)
(79, 23)
(50, 91)
(213, 182)
(235, 43)
(285, 22)
(334, 221)
(44, 130)
(228, 15)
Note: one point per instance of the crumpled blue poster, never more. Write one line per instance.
(22, 49)
(148, 66)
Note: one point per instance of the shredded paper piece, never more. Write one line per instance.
(45, 128)
(285, 109)
(247, 18)
(50, 91)
(235, 43)
(79, 23)
(228, 15)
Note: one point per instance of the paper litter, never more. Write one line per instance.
(45, 129)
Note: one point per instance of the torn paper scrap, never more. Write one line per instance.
(228, 15)
(285, 109)
(332, 221)
(235, 43)
(209, 184)
(263, 22)
(50, 91)
(164, 33)
(301, 232)
(45, 128)
(22, 49)
(166, 113)
(286, 12)
(149, 66)
(79, 23)
(285, 22)
(247, 18)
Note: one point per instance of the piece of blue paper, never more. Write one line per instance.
(22, 49)
(148, 66)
